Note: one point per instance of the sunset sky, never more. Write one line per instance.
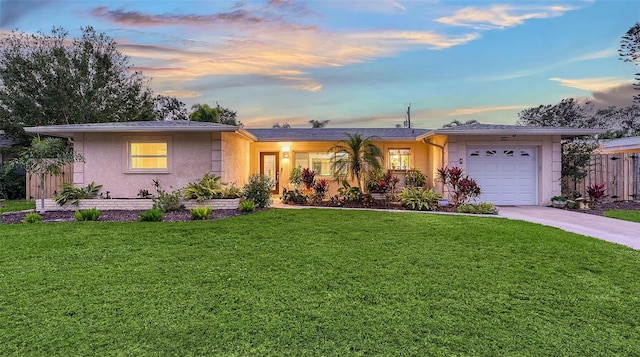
(360, 63)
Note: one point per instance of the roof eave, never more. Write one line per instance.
(68, 132)
(565, 133)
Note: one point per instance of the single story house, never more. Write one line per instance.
(514, 165)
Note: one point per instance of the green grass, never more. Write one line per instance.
(627, 215)
(316, 283)
(16, 205)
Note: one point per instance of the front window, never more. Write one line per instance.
(399, 159)
(320, 162)
(148, 154)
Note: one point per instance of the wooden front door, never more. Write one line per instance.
(270, 166)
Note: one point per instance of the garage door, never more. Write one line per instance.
(506, 175)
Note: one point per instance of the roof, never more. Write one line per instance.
(613, 146)
(68, 130)
(494, 129)
(306, 134)
(335, 134)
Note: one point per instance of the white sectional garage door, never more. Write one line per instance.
(507, 175)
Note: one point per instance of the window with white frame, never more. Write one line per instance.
(148, 155)
(399, 159)
(320, 162)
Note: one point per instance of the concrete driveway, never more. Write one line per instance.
(609, 229)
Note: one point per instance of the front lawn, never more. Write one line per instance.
(16, 205)
(627, 215)
(316, 282)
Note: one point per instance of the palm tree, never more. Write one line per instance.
(354, 157)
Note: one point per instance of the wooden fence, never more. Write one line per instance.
(620, 172)
(51, 184)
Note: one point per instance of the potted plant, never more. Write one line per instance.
(559, 201)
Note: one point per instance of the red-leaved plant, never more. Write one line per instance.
(320, 189)
(461, 187)
(596, 192)
(308, 177)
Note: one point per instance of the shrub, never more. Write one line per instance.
(232, 192)
(419, 199)
(32, 218)
(479, 208)
(91, 214)
(293, 196)
(201, 213)
(347, 193)
(461, 187)
(596, 192)
(71, 193)
(308, 177)
(206, 188)
(258, 189)
(320, 189)
(247, 206)
(142, 193)
(295, 177)
(380, 181)
(558, 198)
(151, 215)
(415, 178)
(12, 184)
(167, 202)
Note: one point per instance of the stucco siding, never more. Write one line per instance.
(549, 157)
(235, 153)
(420, 152)
(106, 157)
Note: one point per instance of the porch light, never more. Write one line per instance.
(285, 152)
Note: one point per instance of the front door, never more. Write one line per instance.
(269, 166)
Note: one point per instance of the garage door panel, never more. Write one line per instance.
(506, 175)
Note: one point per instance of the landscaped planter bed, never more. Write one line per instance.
(134, 204)
(116, 216)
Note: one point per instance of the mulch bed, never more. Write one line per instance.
(600, 208)
(183, 216)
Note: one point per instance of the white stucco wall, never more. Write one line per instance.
(192, 155)
(549, 157)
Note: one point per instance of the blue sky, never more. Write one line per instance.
(360, 63)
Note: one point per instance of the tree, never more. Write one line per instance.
(576, 152)
(630, 52)
(457, 122)
(228, 116)
(48, 79)
(283, 125)
(354, 157)
(45, 157)
(318, 124)
(169, 108)
(204, 113)
(567, 113)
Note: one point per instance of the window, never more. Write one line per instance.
(319, 162)
(145, 155)
(399, 159)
